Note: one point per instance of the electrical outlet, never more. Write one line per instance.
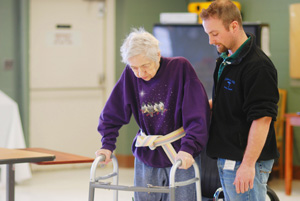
(8, 64)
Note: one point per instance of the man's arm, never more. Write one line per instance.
(256, 140)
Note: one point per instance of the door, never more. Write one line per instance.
(67, 74)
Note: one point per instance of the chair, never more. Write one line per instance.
(270, 193)
(210, 180)
(279, 130)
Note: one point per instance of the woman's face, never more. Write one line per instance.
(143, 67)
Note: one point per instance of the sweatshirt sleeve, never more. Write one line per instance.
(261, 93)
(116, 113)
(195, 115)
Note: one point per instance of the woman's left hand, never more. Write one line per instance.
(186, 158)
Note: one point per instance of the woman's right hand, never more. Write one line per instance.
(107, 153)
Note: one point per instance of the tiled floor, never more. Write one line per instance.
(73, 185)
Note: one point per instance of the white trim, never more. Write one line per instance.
(110, 65)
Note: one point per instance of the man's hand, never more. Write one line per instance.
(106, 153)
(244, 178)
(258, 133)
(186, 158)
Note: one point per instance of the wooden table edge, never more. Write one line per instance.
(61, 157)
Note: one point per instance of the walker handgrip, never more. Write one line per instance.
(99, 159)
(114, 175)
(102, 157)
(178, 163)
(196, 180)
(175, 166)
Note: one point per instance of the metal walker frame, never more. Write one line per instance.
(95, 182)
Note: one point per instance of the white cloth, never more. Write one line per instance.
(11, 136)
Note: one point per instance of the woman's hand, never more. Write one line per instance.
(186, 158)
(107, 153)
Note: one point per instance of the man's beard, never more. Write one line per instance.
(221, 48)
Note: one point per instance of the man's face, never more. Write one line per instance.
(218, 35)
(143, 67)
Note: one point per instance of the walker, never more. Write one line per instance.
(96, 182)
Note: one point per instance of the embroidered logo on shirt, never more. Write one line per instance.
(153, 109)
(229, 84)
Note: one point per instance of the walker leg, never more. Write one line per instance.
(198, 191)
(91, 193)
(115, 195)
(172, 194)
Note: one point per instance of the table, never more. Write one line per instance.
(11, 135)
(292, 119)
(13, 156)
(60, 157)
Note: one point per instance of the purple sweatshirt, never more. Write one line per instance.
(173, 98)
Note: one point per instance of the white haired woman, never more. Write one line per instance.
(149, 80)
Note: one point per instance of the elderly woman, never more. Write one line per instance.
(168, 103)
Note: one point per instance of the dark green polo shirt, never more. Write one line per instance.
(227, 60)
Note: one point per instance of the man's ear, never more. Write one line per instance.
(234, 26)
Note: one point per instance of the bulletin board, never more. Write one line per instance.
(294, 40)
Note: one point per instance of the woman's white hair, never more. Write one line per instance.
(140, 42)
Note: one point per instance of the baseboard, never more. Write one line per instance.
(296, 172)
(38, 168)
(126, 161)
